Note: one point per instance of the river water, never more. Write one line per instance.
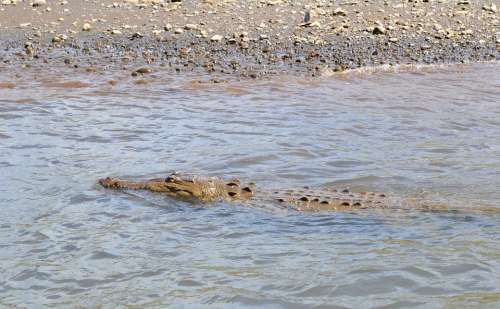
(66, 242)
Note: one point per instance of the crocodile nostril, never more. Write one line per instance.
(232, 194)
(345, 191)
(324, 202)
(280, 200)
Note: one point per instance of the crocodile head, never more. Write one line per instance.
(206, 188)
(189, 187)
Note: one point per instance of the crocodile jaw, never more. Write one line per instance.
(183, 186)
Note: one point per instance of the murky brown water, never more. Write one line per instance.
(65, 242)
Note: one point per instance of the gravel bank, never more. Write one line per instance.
(246, 38)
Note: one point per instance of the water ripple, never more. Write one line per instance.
(67, 242)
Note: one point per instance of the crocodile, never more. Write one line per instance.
(211, 189)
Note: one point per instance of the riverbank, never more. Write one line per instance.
(245, 38)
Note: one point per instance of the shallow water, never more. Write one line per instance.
(64, 241)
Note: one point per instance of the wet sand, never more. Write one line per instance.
(245, 38)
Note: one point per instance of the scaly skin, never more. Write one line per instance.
(207, 189)
(187, 187)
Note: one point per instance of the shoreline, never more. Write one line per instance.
(246, 39)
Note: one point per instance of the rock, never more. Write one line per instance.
(339, 68)
(216, 38)
(86, 27)
(39, 2)
(191, 27)
(28, 47)
(315, 24)
(490, 8)
(379, 30)
(339, 12)
(136, 35)
(143, 71)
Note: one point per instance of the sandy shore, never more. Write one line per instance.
(246, 38)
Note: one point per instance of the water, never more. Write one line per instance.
(65, 242)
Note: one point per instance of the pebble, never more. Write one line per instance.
(28, 47)
(39, 2)
(143, 71)
(315, 24)
(490, 8)
(86, 27)
(378, 30)
(216, 38)
(191, 27)
(339, 12)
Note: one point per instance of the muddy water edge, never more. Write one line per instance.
(431, 133)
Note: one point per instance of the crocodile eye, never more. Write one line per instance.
(170, 178)
(232, 194)
(324, 202)
(232, 184)
(304, 199)
(345, 191)
(247, 189)
(357, 204)
(316, 200)
(280, 200)
(382, 195)
(345, 204)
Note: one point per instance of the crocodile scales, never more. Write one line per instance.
(211, 189)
